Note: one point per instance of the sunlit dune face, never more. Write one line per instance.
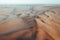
(50, 25)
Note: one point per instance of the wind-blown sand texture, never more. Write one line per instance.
(30, 22)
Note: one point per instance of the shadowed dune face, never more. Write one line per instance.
(36, 24)
(14, 23)
(27, 34)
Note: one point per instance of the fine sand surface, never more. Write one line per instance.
(30, 23)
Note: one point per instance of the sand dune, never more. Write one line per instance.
(50, 23)
(31, 24)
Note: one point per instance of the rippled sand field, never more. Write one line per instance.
(30, 22)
